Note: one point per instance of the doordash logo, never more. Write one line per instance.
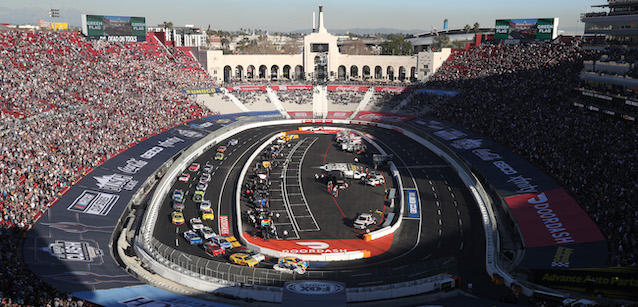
(314, 248)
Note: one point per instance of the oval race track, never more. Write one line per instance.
(447, 231)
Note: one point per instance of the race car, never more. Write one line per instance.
(184, 177)
(178, 205)
(177, 218)
(178, 195)
(243, 259)
(198, 197)
(202, 186)
(196, 223)
(192, 237)
(233, 241)
(207, 232)
(204, 204)
(204, 178)
(232, 142)
(214, 249)
(208, 168)
(207, 214)
(294, 260)
(194, 167)
(289, 268)
(256, 255)
(364, 220)
(221, 149)
(221, 241)
(219, 156)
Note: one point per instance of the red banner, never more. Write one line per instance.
(390, 89)
(322, 246)
(347, 88)
(300, 114)
(552, 218)
(247, 88)
(383, 117)
(291, 87)
(339, 114)
(224, 227)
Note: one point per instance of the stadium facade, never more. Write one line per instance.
(321, 61)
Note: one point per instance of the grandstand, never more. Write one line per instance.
(68, 105)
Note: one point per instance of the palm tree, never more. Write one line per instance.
(467, 31)
(477, 28)
(167, 25)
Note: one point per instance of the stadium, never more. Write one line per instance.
(137, 171)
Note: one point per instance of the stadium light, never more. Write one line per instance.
(54, 13)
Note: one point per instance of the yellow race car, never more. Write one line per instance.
(207, 214)
(177, 218)
(243, 259)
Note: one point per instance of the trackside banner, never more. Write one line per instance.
(247, 88)
(552, 218)
(291, 87)
(205, 90)
(392, 89)
(347, 88)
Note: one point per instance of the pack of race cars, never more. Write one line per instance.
(202, 235)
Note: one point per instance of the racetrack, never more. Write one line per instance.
(446, 233)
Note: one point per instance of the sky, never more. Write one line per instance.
(291, 15)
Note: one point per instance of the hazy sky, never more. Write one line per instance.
(289, 15)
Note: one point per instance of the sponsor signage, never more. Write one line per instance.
(74, 251)
(391, 89)
(312, 293)
(92, 202)
(347, 88)
(552, 218)
(247, 88)
(319, 247)
(291, 87)
(315, 287)
(528, 29)
(206, 90)
(114, 28)
(382, 117)
(224, 226)
(619, 282)
(413, 202)
(300, 114)
(339, 114)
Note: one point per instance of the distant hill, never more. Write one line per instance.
(363, 31)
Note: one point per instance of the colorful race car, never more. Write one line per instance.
(256, 255)
(214, 249)
(178, 195)
(205, 177)
(177, 218)
(219, 156)
(207, 232)
(194, 167)
(178, 205)
(202, 186)
(207, 214)
(294, 260)
(289, 268)
(204, 204)
(243, 259)
(222, 242)
(232, 142)
(198, 196)
(221, 149)
(208, 168)
(192, 237)
(184, 177)
(196, 223)
(233, 241)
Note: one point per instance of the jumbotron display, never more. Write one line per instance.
(114, 28)
(528, 29)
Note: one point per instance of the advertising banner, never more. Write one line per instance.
(247, 88)
(347, 88)
(114, 28)
(385, 117)
(205, 90)
(552, 218)
(528, 29)
(391, 89)
(618, 282)
(291, 87)
(300, 114)
(413, 202)
(339, 114)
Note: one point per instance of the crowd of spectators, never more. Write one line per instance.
(251, 97)
(423, 103)
(519, 95)
(345, 97)
(296, 96)
(69, 104)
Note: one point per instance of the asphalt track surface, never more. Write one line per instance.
(448, 236)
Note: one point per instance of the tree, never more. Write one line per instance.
(396, 45)
(440, 42)
(355, 47)
(477, 28)
(167, 25)
(467, 31)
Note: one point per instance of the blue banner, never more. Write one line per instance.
(412, 198)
